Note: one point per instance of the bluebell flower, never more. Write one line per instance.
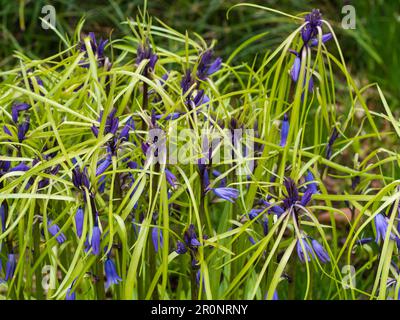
(252, 241)
(199, 99)
(306, 198)
(3, 215)
(275, 296)
(190, 237)
(265, 226)
(157, 238)
(355, 181)
(79, 219)
(295, 70)
(276, 209)
(226, 193)
(309, 254)
(207, 66)
(171, 179)
(111, 125)
(10, 266)
(80, 178)
(145, 52)
(171, 116)
(17, 108)
(130, 125)
(364, 241)
(319, 250)
(187, 82)
(216, 174)
(55, 230)
(254, 213)
(71, 295)
(7, 131)
(381, 225)
(112, 276)
(23, 129)
(95, 243)
(284, 130)
(295, 73)
(103, 165)
(190, 243)
(292, 195)
(311, 185)
(325, 37)
(180, 248)
(96, 238)
(4, 167)
(310, 30)
(20, 167)
(97, 49)
(332, 138)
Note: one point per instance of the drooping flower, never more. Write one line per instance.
(319, 250)
(310, 30)
(364, 241)
(23, 129)
(70, 295)
(171, 116)
(54, 230)
(295, 70)
(111, 125)
(157, 238)
(276, 209)
(103, 165)
(226, 193)
(79, 219)
(94, 243)
(306, 198)
(284, 130)
(207, 66)
(265, 226)
(325, 37)
(187, 82)
(255, 212)
(180, 248)
(97, 49)
(10, 266)
(190, 237)
(381, 225)
(171, 179)
(17, 108)
(80, 178)
(292, 195)
(145, 52)
(130, 125)
(20, 167)
(3, 215)
(308, 254)
(332, 138)
(112, 276)
(311, 185)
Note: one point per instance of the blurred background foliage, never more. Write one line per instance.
(371, 50)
